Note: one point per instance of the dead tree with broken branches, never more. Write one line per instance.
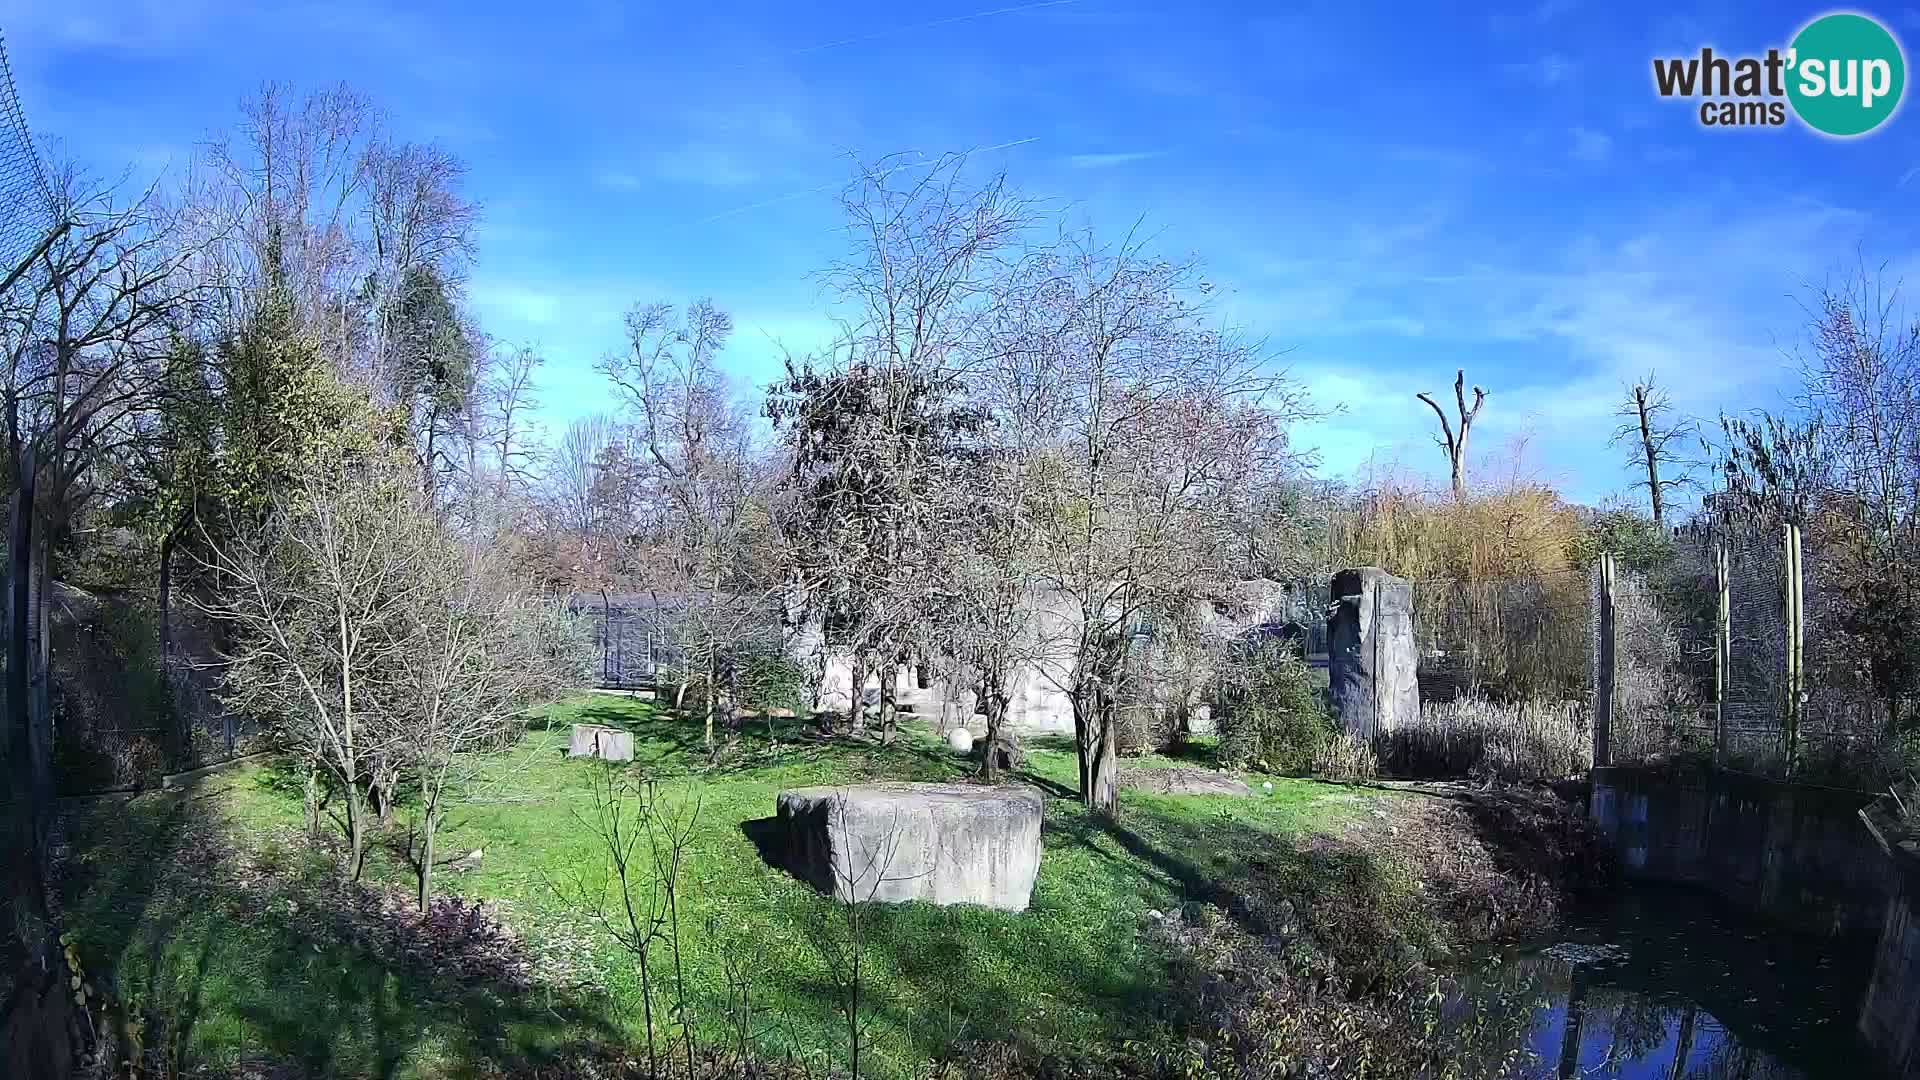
(1455, 445)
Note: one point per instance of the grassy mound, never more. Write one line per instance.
(211, 917)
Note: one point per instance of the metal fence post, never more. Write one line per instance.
(1795, 642)
(1603, 684)
(1722, 650)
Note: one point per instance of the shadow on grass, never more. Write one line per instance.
(1204, 752)
(770, 841)
(226, 958)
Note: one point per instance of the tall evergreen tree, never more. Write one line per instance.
(431, 369)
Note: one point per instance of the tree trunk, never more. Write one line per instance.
(430, 476)
(356, 828)
(1570, 1035)
(857, 693)
(1653, 459)
(993, 701)
(37, 1021)
(1082, 740)
(1103, 785)
(712, 695)
(40, 697)
(430, 814)
(313, 802)
(889, 698)
(1683, 1043)
(380, 793)
(182, 733)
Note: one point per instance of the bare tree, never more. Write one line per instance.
(873, 427)
(476, 647)
(82, 334)
(288, 186)
(699, 474)
(86, 344)
(500, 438)
(314, 595)
(1160, 422)
(416, 223)
(313, 183)
(1455, 445)
(582, 541)
(633, 895)
(1861, 371)
(1654, 437)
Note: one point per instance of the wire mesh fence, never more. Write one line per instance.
(1750, 672)
(1723, 649)
(27, 207)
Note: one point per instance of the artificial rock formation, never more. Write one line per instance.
(1372, 660)
(595, 740)
(943, 843)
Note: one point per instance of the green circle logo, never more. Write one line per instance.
(1846, 74)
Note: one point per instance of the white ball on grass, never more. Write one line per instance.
(961, 740)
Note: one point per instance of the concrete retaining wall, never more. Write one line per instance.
(1796, 855)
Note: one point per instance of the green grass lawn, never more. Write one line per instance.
(252, 979)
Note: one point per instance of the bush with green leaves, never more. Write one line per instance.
(1269, 711)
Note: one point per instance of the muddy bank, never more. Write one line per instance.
(1347, 972)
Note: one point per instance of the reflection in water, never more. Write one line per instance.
(1668, 983)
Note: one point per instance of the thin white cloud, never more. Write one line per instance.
(1549, 70)
(1706, 296)
(705, 166)
(618, 180)
(1109, 161)
(1538, 15)
(522, 304)
(1445, 157)
(1591, 146)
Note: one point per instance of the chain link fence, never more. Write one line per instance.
(27, 206)
(1717, 648)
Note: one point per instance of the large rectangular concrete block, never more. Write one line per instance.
(1373, 662)
(596, 740)
(943, 843)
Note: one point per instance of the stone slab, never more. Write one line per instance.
(894, 842)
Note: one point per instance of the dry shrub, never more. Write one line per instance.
(1500, 607)
(1656, 710)
(1346, 757)
(1142, 728)
(1520, 530)
(1474, 737)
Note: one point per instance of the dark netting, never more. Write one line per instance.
(26, 200)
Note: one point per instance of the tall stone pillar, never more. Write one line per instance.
(1372, 662)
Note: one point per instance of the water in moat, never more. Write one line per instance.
(1668, 982)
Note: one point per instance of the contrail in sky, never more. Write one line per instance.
(792, 195)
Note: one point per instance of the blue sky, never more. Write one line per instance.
(1385, 192)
